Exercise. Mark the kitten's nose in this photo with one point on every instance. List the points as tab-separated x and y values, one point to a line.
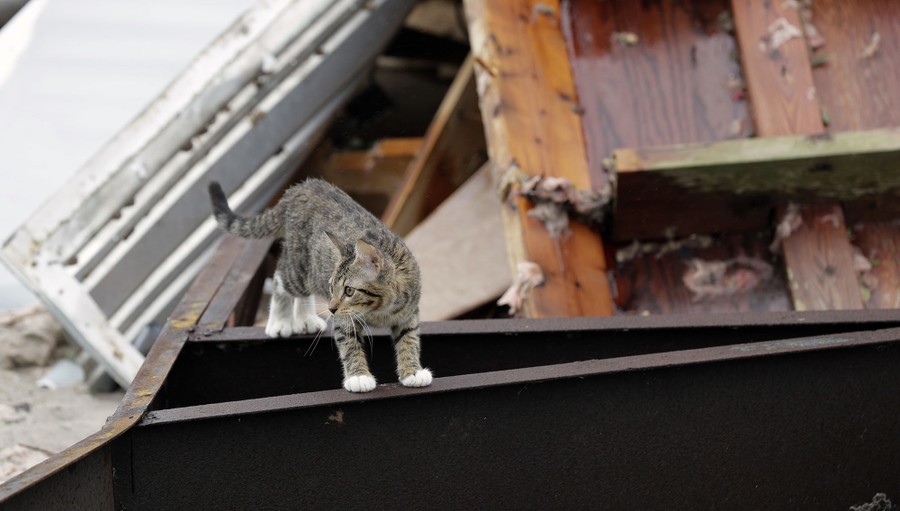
333	310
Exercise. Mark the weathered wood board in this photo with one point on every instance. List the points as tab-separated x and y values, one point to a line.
857	85
461	251
819	262
879	243
776	68
532	119
732	186
654	73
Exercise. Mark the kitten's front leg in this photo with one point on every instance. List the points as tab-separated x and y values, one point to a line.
407	347
357	377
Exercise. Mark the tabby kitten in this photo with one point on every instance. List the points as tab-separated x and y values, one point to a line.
333	247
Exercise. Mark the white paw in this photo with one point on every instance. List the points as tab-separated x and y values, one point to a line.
422	378
362	383
309	325
278	327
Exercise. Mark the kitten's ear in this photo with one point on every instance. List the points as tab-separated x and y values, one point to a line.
369	257
337	244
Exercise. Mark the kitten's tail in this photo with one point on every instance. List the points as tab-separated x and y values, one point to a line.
268	224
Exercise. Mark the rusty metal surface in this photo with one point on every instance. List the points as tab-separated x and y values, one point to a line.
791	424
40	487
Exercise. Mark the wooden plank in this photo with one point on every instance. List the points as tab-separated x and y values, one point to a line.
777	69
532	121
453	148
676	81
461	251
783	102
732	185
819	262
654	282
880	245
857	91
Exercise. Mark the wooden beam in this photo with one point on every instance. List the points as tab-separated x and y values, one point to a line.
452	150
732	185
461	252
532	121
819	261
777	69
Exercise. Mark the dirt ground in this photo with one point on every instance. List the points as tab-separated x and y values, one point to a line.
36	422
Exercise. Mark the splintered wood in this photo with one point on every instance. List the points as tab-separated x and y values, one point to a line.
532	119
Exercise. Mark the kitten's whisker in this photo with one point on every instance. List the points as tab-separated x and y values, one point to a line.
367	334
315	342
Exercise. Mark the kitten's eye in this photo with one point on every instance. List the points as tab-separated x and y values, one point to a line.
348	291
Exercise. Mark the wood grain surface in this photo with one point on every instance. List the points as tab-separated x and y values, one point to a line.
532	121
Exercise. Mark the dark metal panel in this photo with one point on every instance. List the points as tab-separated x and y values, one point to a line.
85	485
51	481
808	427
240	363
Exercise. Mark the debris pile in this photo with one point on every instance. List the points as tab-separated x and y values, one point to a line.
724	278
790	222
528	276
555	198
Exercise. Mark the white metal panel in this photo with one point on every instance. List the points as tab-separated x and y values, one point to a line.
123	239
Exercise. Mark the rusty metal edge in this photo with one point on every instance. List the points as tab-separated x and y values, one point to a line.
234	285
151	375
529	375
880	318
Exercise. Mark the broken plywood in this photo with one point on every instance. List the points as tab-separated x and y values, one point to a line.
461	252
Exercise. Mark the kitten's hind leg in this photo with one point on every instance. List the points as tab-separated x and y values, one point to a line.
305	319
407	348
281	315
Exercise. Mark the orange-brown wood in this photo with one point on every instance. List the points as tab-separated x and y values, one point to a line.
452	150
879	243
533	121
859	91
676	81
819	262
777	68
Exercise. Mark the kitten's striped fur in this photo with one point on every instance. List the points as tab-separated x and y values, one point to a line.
333	247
